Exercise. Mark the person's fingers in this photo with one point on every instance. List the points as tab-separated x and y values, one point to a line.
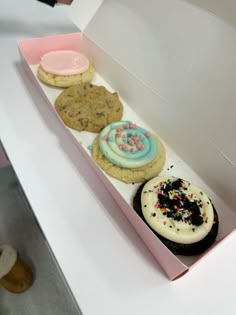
65	1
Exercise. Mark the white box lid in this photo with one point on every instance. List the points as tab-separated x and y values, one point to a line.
187	57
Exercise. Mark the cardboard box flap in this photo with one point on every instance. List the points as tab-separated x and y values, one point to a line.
186	56
82	12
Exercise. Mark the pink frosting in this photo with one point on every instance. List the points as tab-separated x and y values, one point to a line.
64	62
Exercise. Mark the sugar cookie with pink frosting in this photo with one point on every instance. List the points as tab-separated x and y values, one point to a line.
128	152
64	68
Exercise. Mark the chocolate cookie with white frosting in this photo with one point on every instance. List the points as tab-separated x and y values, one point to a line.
179	213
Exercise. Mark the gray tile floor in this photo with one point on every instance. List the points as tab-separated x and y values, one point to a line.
49	294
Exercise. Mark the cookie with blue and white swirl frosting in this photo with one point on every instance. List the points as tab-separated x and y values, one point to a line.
128	152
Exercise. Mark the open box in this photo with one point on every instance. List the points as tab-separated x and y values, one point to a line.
169	62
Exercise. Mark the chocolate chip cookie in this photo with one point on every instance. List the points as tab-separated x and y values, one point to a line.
88	107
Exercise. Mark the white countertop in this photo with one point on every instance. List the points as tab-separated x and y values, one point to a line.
107	267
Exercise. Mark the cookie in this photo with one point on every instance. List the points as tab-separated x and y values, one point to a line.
88	107
128	153
65	68
65	80
180	214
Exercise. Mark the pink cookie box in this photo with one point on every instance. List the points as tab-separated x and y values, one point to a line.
148	86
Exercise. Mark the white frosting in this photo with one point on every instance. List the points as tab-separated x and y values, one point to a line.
173	230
